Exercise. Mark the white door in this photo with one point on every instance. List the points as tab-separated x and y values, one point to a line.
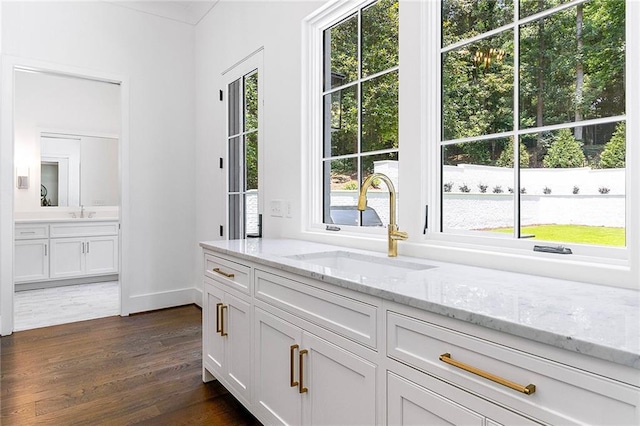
67	257
31	260
102	255
236	315
213	341
277	393
341	386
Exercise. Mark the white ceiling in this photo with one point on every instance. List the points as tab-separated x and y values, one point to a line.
190	12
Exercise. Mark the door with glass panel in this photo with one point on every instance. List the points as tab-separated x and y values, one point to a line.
244	200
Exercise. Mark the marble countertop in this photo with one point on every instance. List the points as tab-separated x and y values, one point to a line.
67	219
600	321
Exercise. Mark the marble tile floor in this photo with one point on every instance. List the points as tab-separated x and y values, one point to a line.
62	305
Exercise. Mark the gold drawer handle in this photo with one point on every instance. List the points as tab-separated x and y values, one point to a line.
222	309
226	274
301	387
218	329
291	362
527	390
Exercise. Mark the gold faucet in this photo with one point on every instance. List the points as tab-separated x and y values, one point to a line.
394	234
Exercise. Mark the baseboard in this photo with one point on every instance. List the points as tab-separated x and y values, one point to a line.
161	300
198	296
60	283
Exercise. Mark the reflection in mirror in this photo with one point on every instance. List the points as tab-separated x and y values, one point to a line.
78	170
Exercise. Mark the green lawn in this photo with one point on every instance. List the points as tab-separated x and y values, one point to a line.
598	235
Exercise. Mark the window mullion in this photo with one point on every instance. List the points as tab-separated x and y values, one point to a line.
516	121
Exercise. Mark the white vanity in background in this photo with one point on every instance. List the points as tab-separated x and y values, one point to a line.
63	249
309	334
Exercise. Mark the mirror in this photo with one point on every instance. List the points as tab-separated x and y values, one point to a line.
66	132
78	170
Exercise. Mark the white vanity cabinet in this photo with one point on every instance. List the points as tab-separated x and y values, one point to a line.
31	259
83	249
64	250
227	326
324	354
304	379
499	368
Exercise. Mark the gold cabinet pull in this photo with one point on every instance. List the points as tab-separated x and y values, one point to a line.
218	329
291	361
222	309
527	390
226	274
301	387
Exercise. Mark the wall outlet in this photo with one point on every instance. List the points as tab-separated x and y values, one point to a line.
287	208
275	208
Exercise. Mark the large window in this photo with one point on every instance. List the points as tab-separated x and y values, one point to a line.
533	120
360	112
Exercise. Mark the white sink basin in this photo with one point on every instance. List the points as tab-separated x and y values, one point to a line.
361	264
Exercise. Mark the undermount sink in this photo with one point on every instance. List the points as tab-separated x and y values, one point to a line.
361	264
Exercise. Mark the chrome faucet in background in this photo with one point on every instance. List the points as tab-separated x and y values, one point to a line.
393	233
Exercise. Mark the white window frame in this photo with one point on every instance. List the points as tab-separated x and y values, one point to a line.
246	66
312	121
420	158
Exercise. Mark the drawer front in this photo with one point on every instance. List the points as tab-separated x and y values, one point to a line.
227	272
347	317
31	232
563	395
62	230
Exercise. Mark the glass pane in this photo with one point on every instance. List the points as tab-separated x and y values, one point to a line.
380	113
341	53
531	7
570	75
251	161
235	164
251	102
251	212
576	193
234	107
477	88
378	194
341	191
379	37
236	217
341	122
462	19
478	181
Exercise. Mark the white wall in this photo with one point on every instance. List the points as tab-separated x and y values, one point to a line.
231	32
45	102
156	57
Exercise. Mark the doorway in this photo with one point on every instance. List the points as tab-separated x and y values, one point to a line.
65	254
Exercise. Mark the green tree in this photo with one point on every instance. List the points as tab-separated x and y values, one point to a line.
565	151
614	152
507	156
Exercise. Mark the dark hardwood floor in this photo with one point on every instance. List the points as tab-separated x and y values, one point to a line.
146	368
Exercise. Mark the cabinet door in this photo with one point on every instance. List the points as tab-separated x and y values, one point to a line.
237	326
67	257
276	401
102	255
31	260
341	386
410	404
213	341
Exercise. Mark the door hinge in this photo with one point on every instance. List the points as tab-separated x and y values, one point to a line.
221	231
221	95
426	219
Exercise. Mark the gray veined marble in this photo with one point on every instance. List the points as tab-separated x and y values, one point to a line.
600	321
